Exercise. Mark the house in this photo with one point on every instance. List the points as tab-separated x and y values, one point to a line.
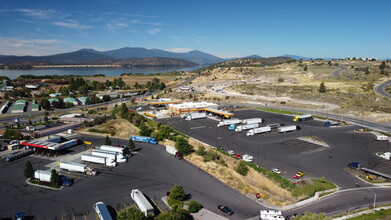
83	100
55	95
70	100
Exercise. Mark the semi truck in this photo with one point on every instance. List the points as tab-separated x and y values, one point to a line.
229	122
252	121
78	167
121	150
246	127
259	130
288	128
142	202
171	150
102	211
193	116
150	140
110	154
301	118
99	160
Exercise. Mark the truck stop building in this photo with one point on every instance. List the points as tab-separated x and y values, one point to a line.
220	113
191	107
164	102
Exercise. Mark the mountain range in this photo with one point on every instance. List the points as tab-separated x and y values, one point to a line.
86	55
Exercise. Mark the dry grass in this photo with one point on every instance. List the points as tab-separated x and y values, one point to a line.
141	79
254	182
121	127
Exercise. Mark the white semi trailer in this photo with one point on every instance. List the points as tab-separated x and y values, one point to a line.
142	202
252	121
259	130
120	150
43	175
193	116
119	158
99	160
288	128
246	127
78	167
229	122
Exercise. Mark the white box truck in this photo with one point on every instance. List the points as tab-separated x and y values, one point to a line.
142	202
193	116
259	130
43	175
252	121
78	167
229	122
110	154
99	160
287	128
246	127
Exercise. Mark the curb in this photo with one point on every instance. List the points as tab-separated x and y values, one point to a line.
360	213
47	187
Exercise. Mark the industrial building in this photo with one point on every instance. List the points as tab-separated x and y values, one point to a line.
53	100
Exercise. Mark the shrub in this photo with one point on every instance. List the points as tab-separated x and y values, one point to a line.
242	168
174	203
194	206
131	213
183	146
201	151
280	80
177	193
211	156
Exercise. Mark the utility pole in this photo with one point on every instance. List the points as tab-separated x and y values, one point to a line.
374	199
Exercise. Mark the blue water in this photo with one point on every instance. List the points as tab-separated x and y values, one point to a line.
12	74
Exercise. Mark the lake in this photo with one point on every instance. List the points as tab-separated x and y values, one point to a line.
13	74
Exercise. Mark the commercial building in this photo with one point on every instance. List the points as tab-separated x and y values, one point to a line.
53	100
70	100
191	106
83	100
18	108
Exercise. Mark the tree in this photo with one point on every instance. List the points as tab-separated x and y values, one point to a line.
305	68
312	216
30	122
145	131
131	145
183	146
177	193
131	213
28	170
46	119
177	214
12	134
107	141
194	206
55	178
242	168
322	87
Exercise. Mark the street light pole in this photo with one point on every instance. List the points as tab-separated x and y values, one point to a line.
374	199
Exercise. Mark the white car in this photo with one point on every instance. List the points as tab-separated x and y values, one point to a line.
139	108
231	152
248	158
275	170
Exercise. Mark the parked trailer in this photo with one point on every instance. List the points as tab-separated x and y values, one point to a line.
171	150
229	122
252	121
195	116
78	167
120	150
142	202
98	159
101	210
110	154
382	138
246	127
17	155
288	128
270	215
43	175
143	139
259	130
301	118
70	143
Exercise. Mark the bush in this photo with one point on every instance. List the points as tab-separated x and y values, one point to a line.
183	146
211	156
280	80
242	168
131	213
201	151
194	206
177	193
174	203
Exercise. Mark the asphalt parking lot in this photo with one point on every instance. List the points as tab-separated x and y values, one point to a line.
285	152
151	170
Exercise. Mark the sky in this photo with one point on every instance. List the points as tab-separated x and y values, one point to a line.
224	28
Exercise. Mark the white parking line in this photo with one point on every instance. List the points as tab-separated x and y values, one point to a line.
197	127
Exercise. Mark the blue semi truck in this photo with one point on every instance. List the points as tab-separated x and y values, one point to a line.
143	139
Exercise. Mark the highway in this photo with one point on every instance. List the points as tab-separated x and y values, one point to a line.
380	89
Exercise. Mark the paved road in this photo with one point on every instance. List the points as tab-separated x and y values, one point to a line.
380	89
152	171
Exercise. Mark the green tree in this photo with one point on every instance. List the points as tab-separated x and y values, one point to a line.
241	168
322	87
194	206
177	193
177	214
183	146
131	213
107	140
46	119
12	134
305	68
55	178
145	131
132	146
28	170
312	216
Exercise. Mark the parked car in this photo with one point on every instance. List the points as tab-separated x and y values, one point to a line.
298	175
238	156
19	216
231	152
225	210
275	170
248	158
220	148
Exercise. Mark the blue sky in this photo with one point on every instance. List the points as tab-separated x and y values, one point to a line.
225	28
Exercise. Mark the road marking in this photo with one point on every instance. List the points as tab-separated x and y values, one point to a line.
198	127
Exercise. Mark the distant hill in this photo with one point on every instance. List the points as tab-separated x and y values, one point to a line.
296	57
270	61
87	55
146	62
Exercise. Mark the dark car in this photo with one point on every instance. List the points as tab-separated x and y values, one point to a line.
225	210
19	216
